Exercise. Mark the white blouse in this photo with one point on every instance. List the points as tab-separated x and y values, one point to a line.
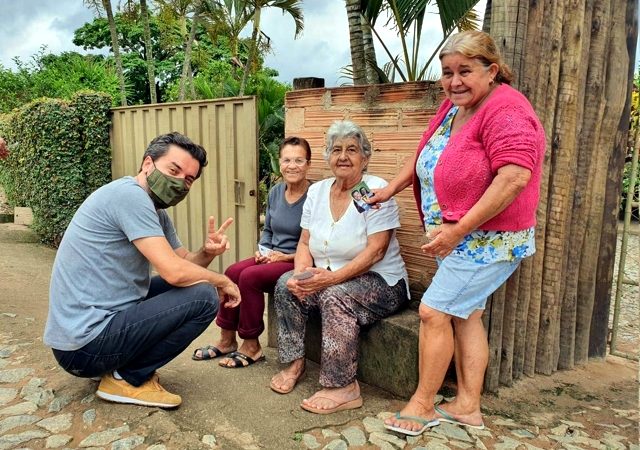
335	244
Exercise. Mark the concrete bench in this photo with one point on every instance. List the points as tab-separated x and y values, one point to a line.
388	356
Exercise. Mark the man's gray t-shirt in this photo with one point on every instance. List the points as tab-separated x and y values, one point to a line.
98	271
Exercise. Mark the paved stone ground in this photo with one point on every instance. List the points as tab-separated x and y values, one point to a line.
40	407
595	406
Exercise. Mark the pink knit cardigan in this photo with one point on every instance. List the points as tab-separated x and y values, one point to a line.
504	130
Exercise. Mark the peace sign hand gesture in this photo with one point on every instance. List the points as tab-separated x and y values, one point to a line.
217	242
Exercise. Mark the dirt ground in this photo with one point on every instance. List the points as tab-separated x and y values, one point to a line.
599	399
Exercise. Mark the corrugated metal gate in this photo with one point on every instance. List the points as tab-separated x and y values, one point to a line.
228	187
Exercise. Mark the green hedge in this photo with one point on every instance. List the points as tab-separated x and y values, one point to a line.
58	154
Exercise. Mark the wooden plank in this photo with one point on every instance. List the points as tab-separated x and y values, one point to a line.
509	329
524	297
492	376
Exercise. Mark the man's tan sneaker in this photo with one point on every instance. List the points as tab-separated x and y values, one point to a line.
150	393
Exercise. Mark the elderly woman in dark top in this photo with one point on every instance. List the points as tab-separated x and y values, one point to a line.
347	266
258	274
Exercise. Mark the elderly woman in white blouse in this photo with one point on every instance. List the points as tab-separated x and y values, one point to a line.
347	266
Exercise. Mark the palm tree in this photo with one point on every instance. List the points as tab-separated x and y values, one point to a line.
101	6
228	17
186	65
178	11
144	11
356	40
407	17
292	7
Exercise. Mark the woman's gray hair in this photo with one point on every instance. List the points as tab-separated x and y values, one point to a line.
341	129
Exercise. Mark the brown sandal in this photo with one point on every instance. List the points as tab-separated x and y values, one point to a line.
287	379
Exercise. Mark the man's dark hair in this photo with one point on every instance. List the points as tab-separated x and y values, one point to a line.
295	140
159	146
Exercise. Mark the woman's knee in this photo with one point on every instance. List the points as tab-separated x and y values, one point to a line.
433	317
281	290
474	319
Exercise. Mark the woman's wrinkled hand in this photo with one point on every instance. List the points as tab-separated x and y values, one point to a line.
321	279
442	240
276	256
379	196
292	285
259	259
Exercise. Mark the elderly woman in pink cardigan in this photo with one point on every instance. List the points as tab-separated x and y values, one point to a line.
476	180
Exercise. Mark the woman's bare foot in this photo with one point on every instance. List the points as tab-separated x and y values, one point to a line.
417	408
462	414
329	400
226	344
285	380
249	347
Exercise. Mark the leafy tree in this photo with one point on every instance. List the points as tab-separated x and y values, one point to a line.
167	53
228	18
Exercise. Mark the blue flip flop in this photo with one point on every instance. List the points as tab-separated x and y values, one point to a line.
426	423
446	417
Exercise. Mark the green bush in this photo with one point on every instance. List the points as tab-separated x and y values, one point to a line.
58	154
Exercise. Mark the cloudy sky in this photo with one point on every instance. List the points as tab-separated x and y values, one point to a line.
321	51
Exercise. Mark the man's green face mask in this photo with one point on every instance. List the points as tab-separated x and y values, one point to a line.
165	190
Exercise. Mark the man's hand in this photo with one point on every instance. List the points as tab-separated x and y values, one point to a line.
217	242
229	294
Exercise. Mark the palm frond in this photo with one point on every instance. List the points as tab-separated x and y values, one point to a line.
452	11
294	9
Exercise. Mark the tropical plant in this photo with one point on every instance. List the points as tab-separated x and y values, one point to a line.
407	18
291	7
228	18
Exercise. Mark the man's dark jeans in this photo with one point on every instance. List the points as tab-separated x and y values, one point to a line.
146	336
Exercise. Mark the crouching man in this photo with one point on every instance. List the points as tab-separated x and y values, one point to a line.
107	316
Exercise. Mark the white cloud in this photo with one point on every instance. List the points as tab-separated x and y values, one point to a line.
321	51
30	24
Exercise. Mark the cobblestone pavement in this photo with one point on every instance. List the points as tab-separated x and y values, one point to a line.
37	413
591	407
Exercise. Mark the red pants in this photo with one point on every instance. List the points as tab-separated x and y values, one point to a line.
253	280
